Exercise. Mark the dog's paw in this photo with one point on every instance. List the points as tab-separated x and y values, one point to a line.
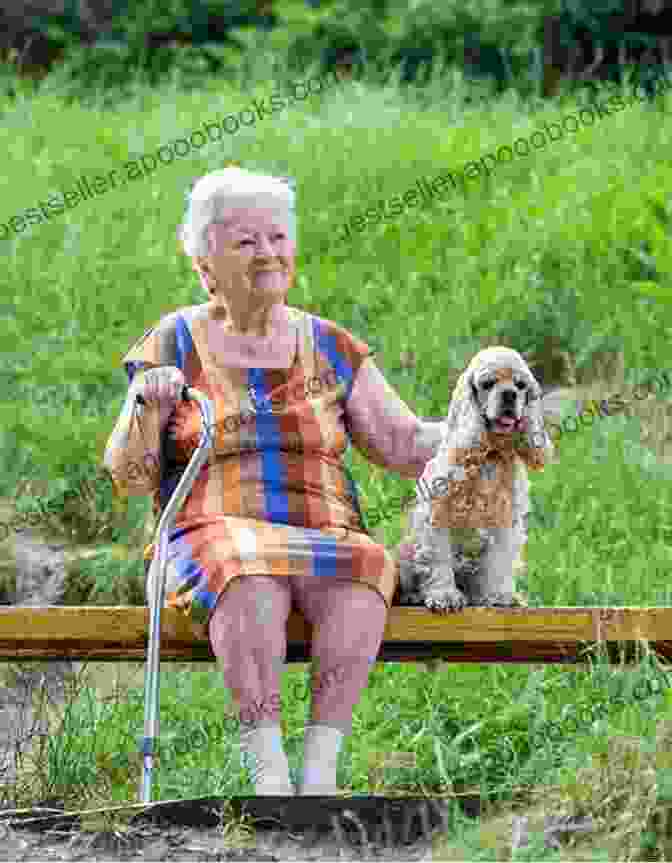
445	601
499	600
407	596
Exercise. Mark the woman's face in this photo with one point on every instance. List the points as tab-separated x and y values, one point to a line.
251	251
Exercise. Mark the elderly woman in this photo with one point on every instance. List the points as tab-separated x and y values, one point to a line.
274	518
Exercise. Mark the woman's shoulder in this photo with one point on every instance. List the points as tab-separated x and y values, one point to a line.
325	325
335	342
185	314
162	333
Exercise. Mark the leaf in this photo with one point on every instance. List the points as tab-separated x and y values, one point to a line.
661	247
658	210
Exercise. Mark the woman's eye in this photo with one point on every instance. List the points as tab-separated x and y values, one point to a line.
250	240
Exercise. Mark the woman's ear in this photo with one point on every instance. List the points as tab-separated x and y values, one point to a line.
200	264
200	267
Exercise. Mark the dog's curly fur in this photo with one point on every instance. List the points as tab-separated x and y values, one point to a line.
469	523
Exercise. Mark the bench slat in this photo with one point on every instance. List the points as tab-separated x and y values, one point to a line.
534	635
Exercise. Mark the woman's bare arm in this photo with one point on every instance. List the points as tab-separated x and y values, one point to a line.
133	452
385	429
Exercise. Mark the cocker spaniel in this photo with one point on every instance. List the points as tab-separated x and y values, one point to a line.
469	522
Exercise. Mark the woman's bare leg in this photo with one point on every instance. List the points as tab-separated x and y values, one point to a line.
348	622
248	634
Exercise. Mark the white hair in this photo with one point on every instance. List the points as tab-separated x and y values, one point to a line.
216	193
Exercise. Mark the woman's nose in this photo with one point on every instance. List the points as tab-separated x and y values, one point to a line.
264	247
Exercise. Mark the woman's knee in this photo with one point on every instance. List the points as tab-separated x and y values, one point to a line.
250	649
355	606
249	606
321	601
350	633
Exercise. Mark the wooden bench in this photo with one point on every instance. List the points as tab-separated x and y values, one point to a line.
532	635
529	635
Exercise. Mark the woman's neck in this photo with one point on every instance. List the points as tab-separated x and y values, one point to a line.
233	349
261	323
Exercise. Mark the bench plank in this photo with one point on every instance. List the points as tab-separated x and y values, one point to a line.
527	635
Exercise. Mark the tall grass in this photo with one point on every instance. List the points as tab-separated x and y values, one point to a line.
550	244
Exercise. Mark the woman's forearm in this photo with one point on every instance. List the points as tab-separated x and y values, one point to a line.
384	428
133	452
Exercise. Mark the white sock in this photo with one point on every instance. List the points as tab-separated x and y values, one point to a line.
322	744
263	755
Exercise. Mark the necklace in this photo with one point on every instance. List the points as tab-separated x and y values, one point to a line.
260	406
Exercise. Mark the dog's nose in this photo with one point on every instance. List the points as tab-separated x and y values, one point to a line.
509	397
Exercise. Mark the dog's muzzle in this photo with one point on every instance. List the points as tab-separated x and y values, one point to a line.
506	422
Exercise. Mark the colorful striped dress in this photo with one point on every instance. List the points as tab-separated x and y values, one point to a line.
275	497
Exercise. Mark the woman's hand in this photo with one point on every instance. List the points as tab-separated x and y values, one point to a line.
162	386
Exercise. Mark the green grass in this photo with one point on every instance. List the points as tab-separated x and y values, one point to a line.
549	245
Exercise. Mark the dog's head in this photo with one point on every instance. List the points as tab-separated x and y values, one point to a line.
499	397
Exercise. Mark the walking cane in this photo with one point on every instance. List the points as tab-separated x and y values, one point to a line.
157	587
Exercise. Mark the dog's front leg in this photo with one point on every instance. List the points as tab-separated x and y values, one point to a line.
439	591
494	583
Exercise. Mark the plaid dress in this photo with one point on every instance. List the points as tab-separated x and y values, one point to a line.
275	497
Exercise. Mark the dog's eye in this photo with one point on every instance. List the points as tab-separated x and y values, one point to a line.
487	385
521	385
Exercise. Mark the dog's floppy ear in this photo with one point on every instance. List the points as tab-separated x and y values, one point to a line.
534	389
536	445
463	424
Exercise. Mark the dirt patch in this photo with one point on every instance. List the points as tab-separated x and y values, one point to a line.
292	829
190	843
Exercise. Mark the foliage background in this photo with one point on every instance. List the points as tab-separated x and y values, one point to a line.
571	243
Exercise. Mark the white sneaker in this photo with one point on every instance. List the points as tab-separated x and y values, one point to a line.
265	759
322	745
271	786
